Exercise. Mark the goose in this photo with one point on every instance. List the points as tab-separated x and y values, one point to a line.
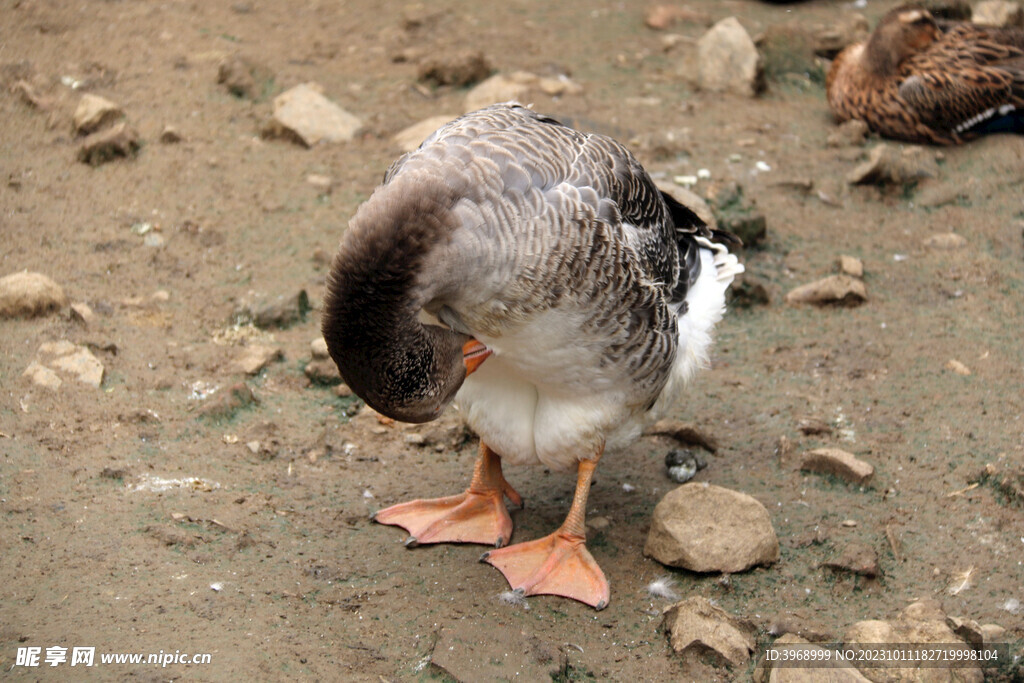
920	80
535	276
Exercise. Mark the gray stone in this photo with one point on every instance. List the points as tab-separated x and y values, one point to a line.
832	670
696	628
43	376
839	463
323	371
94	112
856	558
946	241
706	528
691	200
245	78
500	88
850	133
75	360
998	13
465	68
254	358
306	116
922	623
410	138
728	60
889	165
27	294
119	141
318	349
851	265
839	290
83	313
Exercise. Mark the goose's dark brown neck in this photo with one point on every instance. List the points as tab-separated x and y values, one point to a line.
399	366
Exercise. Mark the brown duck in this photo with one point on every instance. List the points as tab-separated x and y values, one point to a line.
921	80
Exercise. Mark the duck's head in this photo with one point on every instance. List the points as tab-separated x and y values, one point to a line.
902	32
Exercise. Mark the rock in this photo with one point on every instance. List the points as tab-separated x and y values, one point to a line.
683	433
463	69
728	60
225	404
838	463
342	391
322	183
956	366
558	86
747	292
691	200
42	376
280	313
850	133
856	558
851	265
813	426
887	164
323	371
500	88
109	144
255	358
993	633
73	359
27	294
682	465
303	114
706	528
998	13
244	78
968	630
944	241
170	135
832	669
696	628
410	138
831	39
318	349
922	624
94	112
839	290
661	17
83	313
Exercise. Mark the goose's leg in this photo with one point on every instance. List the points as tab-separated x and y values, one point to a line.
477	516
558	564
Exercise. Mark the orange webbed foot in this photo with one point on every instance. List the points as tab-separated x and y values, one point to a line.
470	517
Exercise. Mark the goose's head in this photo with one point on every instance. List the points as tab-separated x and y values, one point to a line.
413	378
401	367
901	33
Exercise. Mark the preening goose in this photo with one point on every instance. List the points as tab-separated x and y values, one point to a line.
536	276
920	80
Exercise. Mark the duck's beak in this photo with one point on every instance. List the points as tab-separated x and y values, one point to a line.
473	354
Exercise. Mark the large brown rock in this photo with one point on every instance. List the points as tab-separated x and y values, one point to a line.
697	628
706	528
26	294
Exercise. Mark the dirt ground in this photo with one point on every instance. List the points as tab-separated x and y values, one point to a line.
265	557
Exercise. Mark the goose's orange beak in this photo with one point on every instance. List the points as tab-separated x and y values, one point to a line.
473	354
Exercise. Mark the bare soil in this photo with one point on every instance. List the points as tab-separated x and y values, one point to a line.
266	558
